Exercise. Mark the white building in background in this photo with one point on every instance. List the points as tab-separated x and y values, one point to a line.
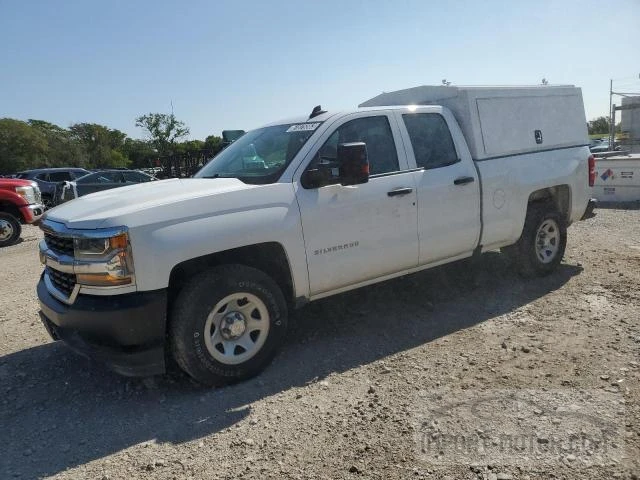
630	120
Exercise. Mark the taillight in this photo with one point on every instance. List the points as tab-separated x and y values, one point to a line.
592	170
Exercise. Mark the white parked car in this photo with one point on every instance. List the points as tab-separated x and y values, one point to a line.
208	268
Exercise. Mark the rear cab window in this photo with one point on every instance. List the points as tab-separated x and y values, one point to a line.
431	140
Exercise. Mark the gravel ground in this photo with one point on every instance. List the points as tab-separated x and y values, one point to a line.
378	383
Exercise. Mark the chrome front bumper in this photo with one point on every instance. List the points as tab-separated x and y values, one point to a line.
69	265
32	213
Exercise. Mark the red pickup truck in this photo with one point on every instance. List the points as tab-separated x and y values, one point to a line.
20	202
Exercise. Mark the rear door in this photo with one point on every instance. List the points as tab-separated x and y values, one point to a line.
361	232
54	188
46	187
448	188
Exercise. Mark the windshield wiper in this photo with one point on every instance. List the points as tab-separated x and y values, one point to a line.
219	175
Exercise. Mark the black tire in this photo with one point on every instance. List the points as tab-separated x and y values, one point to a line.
47	201
10	229
530	258
189	317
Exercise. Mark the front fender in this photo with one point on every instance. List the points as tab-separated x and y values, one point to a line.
13	198
237	221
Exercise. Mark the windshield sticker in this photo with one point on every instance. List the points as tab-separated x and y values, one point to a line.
303	127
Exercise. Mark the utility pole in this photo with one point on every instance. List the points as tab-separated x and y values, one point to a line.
613	108
611	125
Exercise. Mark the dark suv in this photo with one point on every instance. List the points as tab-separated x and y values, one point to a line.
47	178
97	182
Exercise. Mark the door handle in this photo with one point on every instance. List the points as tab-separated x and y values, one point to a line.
463	180
400	191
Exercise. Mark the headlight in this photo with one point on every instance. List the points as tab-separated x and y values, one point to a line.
108	261
37	192
94	248
90	248
28	193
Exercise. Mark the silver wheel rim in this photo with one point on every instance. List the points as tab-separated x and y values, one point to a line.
6	230
547	241
236	328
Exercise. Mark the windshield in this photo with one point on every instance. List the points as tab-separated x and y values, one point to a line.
260	156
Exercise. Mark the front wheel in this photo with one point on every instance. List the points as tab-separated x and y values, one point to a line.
227	324
541	246
47	201
10	229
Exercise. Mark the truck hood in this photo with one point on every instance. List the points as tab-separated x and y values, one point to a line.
143	203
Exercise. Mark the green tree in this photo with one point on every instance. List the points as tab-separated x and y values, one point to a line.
21	146
191	147
103	146
599	125
213	144
118	160
163	131
141	153
64	150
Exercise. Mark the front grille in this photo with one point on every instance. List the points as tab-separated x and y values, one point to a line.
64	282
38	196
60	245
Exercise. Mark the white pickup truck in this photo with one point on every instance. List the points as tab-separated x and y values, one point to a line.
205	269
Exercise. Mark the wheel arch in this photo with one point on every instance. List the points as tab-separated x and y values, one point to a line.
10	208
269	257
558	196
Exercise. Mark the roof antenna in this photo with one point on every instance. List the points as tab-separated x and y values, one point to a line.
317	110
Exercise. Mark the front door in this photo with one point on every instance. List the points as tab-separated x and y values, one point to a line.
358	233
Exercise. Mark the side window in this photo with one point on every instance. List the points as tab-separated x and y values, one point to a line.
135	177
92	178
130	177
59	176
375	132
41	176
104	177
116	177
431	140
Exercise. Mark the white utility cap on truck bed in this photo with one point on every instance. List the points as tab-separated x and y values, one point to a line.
503	121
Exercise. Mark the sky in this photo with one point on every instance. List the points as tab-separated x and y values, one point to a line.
240	64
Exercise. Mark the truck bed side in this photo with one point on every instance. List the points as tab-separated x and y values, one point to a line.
510	183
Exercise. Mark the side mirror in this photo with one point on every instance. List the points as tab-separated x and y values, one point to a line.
354	165
313	178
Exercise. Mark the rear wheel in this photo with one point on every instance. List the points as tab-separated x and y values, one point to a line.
10	229
227	324
541	246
